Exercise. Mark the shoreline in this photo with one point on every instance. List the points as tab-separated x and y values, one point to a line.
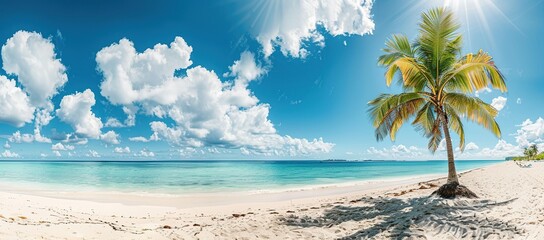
511	206
208	199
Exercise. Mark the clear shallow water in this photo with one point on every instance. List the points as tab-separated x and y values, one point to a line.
211	176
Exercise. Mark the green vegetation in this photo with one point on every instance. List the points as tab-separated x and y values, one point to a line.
530	153
438	83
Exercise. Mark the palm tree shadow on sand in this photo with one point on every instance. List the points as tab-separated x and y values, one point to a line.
414	218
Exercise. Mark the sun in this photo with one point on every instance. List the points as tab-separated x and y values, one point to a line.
477	17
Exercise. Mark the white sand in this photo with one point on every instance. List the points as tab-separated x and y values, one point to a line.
511	206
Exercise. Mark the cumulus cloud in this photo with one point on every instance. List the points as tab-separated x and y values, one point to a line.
498	102
472	151
57	154
92	153
121	150
60	147
246	69
484	90
501	150
38	136
471	147
144	153
7	146
205	110
17	137
33	59
400	152
15	108
131	76
530	132
75	110
110	137
10	154
74	138
518	101
41	74
293	25
114	123
138	139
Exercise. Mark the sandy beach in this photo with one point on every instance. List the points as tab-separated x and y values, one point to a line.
511	206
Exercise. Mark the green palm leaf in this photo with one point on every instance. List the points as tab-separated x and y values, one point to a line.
436	82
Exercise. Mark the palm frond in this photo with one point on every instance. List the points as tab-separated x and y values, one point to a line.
436	136
472	73
425	119
389	112
414	75
455	124
396	47
437	41
473	109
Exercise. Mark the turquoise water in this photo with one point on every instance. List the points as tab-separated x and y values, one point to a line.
211	176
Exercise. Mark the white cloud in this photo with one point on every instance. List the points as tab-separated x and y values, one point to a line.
15	108
484	90
144	153
205	110
75	110
187	151
121	150
244	151
471	147
114	123
93	153
43	116
530	132
33	59
292	25
60	147
110	137
43	155
246	69
518	101
498	102
74	138
38	136
160	130
501	150
10	154
138	139
130	111
131	76
6	145
17	137
400	152
57	153
472	151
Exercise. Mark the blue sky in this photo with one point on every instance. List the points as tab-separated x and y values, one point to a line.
238	79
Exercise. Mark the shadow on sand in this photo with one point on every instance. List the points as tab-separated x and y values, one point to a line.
414	218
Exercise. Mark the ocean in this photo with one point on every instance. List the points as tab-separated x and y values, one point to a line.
180	177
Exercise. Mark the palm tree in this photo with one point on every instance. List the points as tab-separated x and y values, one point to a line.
438	85
534	151
531	152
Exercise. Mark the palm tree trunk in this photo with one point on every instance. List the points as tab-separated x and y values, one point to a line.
452	173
